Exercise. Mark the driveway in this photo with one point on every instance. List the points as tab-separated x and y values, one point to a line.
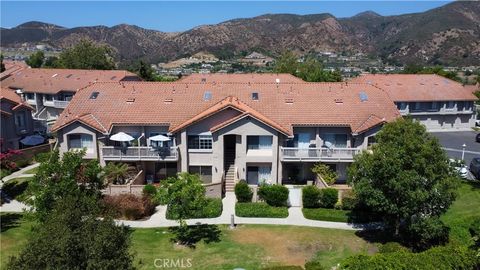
452	143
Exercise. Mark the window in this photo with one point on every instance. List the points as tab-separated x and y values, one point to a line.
80	141
335	140
371	140
205	173
164	170
259	142
254	96
48	97
259	174
30	96
450	105
402	106
415	106
200	141
68	97
20	119
94	95
207	95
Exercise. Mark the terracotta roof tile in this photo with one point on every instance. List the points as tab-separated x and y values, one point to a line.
52	81
14	98
417	87
240	78
282	105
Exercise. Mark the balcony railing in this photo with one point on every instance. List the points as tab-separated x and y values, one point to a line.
318	154
62	104
135	153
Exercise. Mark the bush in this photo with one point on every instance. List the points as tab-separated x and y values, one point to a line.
349	200
391	247
161	197
22	163
260	209
42	157
129	206
328	197
311	197
324	172
437	258
274	195
4	172
149	190
243	191
212	209
326	214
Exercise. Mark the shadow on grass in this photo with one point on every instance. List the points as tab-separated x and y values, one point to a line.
9	221
191	235
14	188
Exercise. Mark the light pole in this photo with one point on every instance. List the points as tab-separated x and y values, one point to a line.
463	151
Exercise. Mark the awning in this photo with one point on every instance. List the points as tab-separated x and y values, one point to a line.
32	140
121	137
159	138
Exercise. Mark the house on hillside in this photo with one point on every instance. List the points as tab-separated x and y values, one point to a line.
49	91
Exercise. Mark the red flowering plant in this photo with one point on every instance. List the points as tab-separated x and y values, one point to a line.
6	159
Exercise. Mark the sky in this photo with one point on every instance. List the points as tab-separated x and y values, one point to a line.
183	15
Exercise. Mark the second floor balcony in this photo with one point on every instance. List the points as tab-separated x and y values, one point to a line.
318	154
61	104
137	153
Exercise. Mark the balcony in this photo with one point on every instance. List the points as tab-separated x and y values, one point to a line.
318	154
139	153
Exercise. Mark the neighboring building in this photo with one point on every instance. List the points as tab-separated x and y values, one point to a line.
227	127
257	59
12	67
16	119
437	102
50	90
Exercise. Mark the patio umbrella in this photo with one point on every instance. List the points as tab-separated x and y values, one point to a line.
32	140
121	137
159	138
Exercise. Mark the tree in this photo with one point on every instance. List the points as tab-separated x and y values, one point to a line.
2	65
145	71
186	196
73	237
87	55
36	59
406	179
61	177
51	62
325	173
286	63
311	70
116	173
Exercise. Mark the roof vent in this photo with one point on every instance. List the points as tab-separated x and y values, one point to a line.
363	96
113	78
289	100
69	75
130	100
339	101
168	100
207	96
94	95
277	80
254	96
54	75
204	79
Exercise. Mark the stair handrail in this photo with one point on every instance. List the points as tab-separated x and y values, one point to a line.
235	176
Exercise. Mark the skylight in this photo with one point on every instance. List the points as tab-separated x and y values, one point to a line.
94	95
254	96
363	96
207	96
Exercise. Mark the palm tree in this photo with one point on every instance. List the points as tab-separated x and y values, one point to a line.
116	172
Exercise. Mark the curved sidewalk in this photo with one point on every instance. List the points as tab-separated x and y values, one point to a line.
295	218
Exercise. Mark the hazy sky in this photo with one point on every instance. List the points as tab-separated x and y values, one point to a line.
183	15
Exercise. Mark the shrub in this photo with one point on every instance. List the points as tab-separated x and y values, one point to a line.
4	172
243	191
42	157
21	163
211	209
349	200
328	197
326	214
311	197
260	209
161	197
324	172
391	247
274	195
149	190
129	206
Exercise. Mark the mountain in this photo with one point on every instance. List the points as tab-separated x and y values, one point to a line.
448	35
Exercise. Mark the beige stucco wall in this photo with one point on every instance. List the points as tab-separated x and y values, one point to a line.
78	128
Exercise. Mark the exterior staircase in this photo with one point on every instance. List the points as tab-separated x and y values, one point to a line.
230	171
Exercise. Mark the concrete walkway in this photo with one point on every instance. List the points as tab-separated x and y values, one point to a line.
294	218
19	173
14	205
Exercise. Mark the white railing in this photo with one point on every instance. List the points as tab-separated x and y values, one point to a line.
60	103
318	154
140	153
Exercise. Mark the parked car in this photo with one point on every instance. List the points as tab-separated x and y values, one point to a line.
460	167
475	167
477	138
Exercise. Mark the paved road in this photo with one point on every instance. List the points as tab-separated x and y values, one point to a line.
453	141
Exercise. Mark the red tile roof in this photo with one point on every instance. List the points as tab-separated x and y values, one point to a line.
417	87
52	81
14	98
240	78
281	105
11	67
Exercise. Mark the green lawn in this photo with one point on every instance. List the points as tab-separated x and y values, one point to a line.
31	171
14	188
247	246
260	209
461	214
326	214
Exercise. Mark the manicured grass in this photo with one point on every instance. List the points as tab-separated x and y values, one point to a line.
212	210
13	235
32	171
260	209
326	214
462	212
252	247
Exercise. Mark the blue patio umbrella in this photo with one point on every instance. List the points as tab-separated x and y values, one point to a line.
32	140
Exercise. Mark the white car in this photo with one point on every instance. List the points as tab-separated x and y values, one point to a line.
460	168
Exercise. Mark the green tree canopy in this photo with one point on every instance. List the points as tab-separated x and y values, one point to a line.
419	69
87	55
311	70
186	196
286	63
2	65
407	180
36	59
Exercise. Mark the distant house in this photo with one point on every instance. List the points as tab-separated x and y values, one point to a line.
49	91
437	102
257	59
16	119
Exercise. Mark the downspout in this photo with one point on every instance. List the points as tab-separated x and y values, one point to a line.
138	140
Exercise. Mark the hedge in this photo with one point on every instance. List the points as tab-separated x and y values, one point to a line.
274	195
328	197
437	258
311	197
212	209
129	206
243	192
326	214
260	209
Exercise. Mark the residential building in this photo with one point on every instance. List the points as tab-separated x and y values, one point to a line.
16	121
258	127
437	102
49	91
